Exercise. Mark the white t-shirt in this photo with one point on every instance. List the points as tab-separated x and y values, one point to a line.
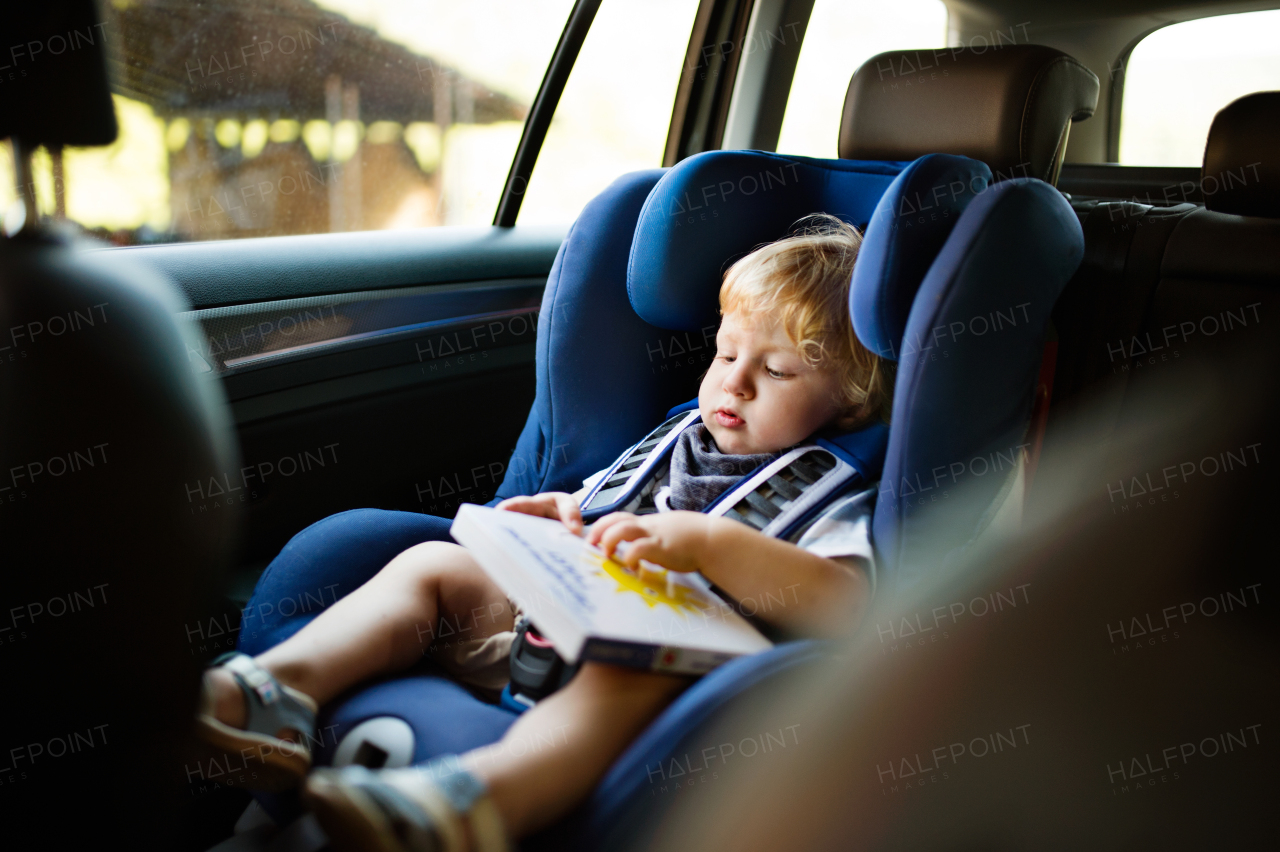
842	531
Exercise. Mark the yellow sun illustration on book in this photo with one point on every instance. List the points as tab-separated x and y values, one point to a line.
675	595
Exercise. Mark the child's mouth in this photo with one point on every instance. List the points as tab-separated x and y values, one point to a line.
728	419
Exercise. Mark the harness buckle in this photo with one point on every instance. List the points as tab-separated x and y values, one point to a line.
536	669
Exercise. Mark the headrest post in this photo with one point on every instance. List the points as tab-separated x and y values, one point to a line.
1059	155
23	216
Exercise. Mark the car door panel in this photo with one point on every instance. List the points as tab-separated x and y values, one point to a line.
387	376
237	272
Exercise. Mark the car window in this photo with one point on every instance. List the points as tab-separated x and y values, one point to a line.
1177	78
843	34
258	119
616	108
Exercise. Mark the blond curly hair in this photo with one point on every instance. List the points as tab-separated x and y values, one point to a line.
802	281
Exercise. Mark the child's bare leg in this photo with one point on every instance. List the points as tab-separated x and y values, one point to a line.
381	627
553	756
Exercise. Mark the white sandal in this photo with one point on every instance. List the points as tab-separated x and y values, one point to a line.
278	764
419	809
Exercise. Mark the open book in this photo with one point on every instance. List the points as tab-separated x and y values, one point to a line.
593	608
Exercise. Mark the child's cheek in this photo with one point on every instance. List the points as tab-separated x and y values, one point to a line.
706	392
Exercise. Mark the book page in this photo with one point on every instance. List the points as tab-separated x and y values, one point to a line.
575	594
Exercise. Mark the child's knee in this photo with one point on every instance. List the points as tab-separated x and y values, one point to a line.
429	561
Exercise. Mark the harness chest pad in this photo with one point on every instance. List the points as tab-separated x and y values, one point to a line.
778	498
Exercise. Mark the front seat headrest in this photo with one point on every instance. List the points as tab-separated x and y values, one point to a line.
1241	171
1009	106
59	47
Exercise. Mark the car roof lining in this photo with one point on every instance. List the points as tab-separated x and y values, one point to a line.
1043	13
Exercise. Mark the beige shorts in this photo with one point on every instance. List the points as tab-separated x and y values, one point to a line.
484	664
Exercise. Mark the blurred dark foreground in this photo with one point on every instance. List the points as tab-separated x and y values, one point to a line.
1103	677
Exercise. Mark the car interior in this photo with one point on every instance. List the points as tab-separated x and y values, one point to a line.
209	380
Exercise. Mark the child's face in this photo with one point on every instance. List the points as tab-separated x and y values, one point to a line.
759	395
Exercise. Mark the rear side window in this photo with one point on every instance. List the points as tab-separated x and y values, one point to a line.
1177	78
843	34
616	107
244	119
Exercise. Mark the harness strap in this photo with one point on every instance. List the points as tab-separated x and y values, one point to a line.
632	468
767	499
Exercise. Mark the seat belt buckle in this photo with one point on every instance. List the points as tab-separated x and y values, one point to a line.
536	669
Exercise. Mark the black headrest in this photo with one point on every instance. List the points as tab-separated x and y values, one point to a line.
1241	171
1009	106
55	92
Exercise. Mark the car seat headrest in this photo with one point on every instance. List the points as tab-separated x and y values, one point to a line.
1010	106
906	232
1241	171
62	96
685	239
713	208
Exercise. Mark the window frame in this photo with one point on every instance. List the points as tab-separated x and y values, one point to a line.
701	109
1115	95
543	110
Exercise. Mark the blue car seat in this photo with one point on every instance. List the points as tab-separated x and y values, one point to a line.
963	400
606	376
628	325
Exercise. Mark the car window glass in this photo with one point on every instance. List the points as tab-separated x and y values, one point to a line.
843	34
1177	78
248	119
616	108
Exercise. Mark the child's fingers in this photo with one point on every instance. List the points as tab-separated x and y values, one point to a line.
621	530
538	505
599	527
569	512
647	548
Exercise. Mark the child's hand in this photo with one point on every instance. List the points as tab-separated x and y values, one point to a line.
674	540
556	505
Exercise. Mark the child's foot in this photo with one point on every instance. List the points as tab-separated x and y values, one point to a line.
254	724
440	807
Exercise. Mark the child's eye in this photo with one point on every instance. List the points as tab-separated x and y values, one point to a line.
775	374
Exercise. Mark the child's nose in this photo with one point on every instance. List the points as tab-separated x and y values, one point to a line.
738	381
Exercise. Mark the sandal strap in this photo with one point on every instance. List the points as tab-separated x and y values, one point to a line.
427	807
411	824
271	706
469	798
